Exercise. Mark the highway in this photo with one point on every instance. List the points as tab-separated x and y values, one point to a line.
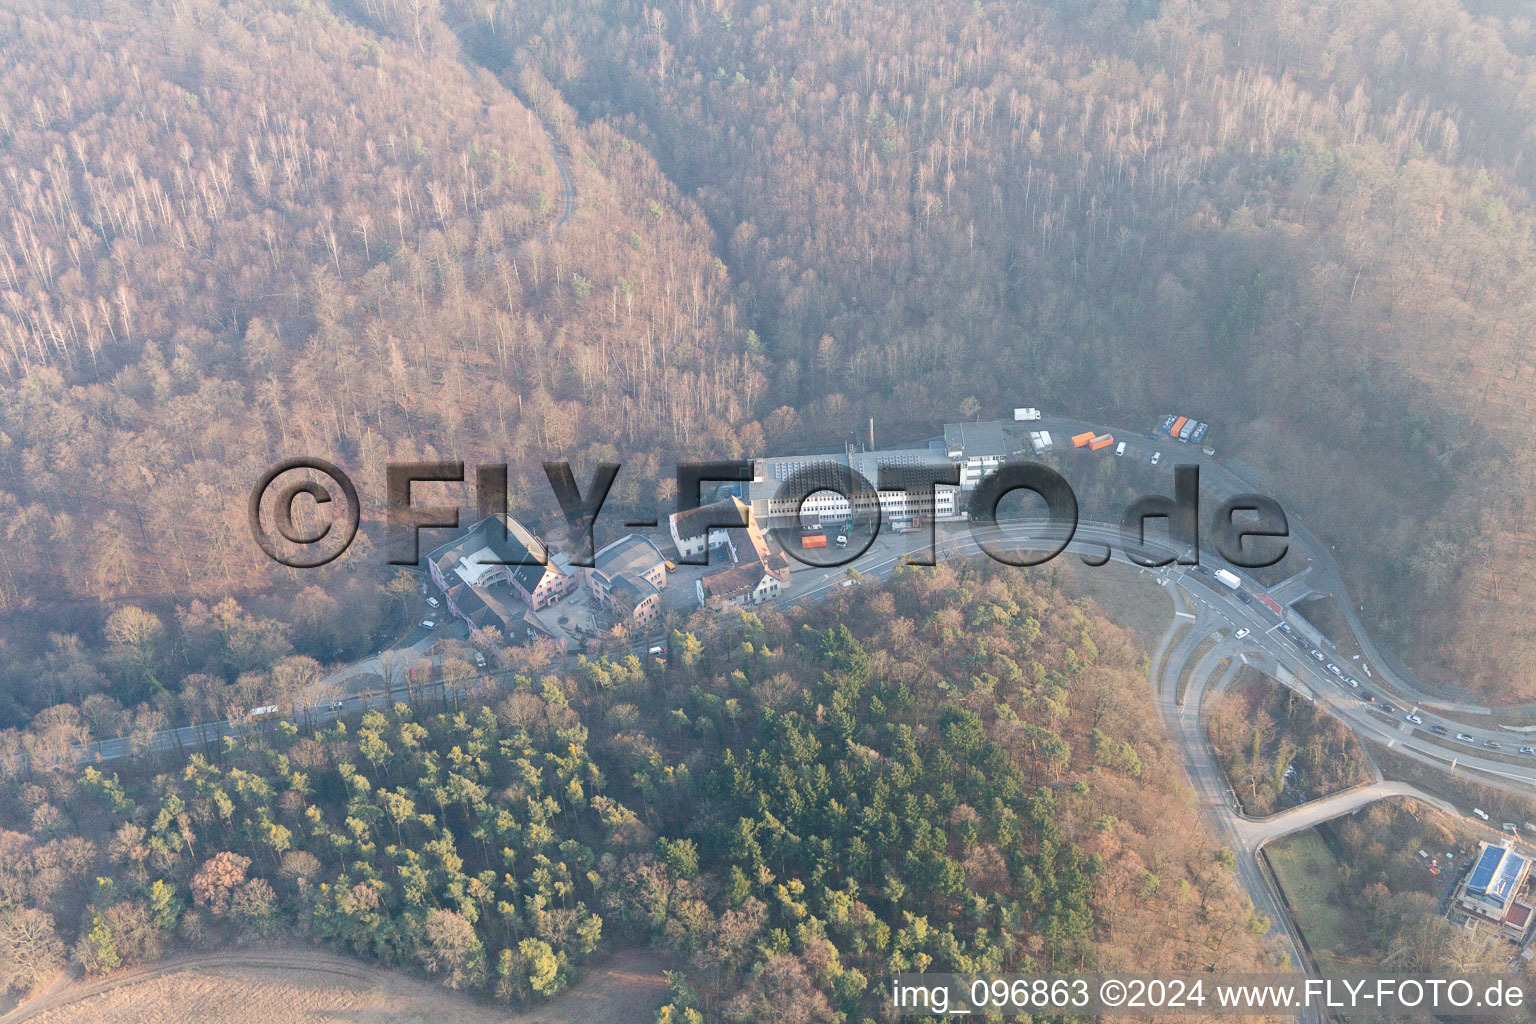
1225	608
1270	641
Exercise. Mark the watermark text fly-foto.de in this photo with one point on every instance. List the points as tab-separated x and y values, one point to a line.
1248	530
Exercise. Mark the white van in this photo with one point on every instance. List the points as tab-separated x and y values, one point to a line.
1120	448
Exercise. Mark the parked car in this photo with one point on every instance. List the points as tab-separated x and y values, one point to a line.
1285	627
1354	684
1438	730
1415	719
1317	655
479	660
1528	750
1388	708
1368	696
1492	745
428	623
1156	457
1465	738
1241	633
433	602
1335	670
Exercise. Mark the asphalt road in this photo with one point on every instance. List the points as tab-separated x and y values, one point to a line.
1265	638
1213	609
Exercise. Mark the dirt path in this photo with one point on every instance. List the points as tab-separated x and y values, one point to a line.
288	986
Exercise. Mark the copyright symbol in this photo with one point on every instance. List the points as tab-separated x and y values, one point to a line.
1112	992
312	552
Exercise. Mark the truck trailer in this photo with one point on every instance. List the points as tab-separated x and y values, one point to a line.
1102	441
1184	428
1079	440
818	540
1228	578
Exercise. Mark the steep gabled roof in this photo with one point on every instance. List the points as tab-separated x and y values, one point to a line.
732	582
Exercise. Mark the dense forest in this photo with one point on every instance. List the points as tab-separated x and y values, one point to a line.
609	231
238	232
1308	223
230	233
951	773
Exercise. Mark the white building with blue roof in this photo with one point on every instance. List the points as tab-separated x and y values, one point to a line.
1492	889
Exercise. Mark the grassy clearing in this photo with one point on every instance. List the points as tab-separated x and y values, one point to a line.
1310	879
300	987
1194	660
1179	632
1325	614
1128	596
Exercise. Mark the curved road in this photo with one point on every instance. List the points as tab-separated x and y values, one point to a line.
1210	608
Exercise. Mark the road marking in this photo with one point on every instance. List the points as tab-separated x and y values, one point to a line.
1183	615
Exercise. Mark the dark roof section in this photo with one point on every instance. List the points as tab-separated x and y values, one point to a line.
513	546
632	554
732	582
695	521
752	548
638	586
984	440
483	607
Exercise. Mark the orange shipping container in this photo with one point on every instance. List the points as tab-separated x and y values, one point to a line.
817	541
1102	441
1178	425
1078	440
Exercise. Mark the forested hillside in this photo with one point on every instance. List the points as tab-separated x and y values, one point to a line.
234	233
231	233
237	232
951	773
1307	223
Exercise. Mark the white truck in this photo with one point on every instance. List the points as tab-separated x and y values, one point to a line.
1024	415
1228	578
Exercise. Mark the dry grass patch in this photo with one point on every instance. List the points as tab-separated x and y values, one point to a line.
302	987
